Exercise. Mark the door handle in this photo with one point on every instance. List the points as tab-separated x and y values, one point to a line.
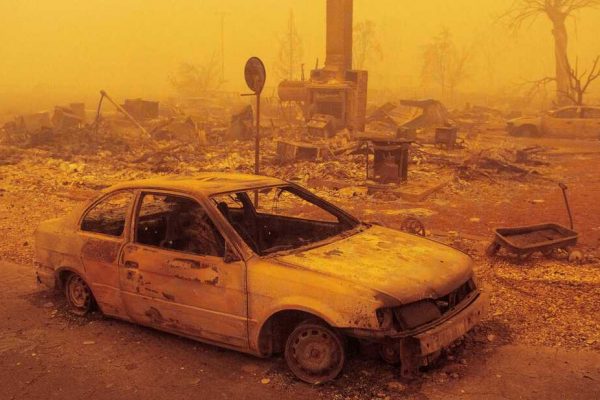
131	264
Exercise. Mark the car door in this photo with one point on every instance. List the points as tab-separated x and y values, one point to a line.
563	123
174	274
591	122
104	231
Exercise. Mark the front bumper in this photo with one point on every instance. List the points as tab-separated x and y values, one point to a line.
434	336
458	325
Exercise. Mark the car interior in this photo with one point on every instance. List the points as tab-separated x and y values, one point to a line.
269	232
108	216
177	223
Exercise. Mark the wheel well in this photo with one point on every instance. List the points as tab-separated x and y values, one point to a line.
278	327
62	276
61	280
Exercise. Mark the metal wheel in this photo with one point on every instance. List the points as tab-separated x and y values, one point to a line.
314	352
492	249
548	252
413	225
78	295
390	353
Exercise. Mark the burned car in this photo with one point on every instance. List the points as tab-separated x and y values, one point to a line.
259	265
567	122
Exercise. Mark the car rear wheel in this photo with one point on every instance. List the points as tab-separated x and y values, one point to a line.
314	352
78	294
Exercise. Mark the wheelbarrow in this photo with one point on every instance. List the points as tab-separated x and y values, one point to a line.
523	241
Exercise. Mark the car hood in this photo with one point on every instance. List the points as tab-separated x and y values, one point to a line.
397	264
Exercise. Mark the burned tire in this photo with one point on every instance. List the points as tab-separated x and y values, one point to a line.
390	353
78	294
315	352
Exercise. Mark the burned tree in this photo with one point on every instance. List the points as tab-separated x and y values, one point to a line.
366	46
579	83
444	63
290	53
557	11
193	79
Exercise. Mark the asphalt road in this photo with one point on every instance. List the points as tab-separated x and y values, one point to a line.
46	353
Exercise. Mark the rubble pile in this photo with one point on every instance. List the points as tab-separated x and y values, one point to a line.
488	163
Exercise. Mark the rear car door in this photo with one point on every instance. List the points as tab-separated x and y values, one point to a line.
174	274
104	230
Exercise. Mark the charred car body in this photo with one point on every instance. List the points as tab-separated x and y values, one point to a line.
567	122
262	266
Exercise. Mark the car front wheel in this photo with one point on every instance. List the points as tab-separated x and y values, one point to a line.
314	352
78	294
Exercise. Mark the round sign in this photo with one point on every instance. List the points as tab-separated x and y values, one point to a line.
255	74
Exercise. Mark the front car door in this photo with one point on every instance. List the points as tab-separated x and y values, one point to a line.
104	230
174	274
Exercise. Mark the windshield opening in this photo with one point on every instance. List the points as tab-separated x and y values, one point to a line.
285	218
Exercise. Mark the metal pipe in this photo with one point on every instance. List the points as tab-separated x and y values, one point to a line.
121	109
564	190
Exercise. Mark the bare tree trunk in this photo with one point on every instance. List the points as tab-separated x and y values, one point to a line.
559	32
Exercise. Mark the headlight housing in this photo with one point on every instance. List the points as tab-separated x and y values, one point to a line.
414	315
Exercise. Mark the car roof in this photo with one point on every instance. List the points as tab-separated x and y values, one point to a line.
205	183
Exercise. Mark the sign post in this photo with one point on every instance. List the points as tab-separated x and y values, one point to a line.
255	75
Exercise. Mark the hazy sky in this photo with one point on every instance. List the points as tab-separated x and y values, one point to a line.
64	50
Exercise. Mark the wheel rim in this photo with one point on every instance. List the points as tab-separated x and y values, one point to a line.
315	354
389	353
492	249
78	293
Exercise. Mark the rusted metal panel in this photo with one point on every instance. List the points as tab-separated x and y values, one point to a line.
200	296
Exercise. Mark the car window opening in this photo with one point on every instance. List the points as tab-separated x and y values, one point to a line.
179	224
285	218
107	217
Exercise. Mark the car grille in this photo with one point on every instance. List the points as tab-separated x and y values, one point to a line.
419	313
